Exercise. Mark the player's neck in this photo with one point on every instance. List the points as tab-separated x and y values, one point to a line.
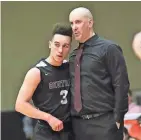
52	62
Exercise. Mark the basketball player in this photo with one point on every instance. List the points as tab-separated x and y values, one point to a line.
47	84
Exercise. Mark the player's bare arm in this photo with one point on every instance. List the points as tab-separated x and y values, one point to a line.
31	81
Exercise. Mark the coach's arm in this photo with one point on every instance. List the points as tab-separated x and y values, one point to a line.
118	71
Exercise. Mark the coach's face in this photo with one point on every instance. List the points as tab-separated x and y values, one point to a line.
81	26
60	47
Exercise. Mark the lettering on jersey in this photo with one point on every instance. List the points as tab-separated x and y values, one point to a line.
59	84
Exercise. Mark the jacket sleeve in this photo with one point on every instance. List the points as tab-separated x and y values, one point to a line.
118	71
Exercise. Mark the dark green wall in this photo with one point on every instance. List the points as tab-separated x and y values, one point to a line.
26	29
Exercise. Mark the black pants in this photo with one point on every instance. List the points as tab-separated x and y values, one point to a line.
44	132
100	128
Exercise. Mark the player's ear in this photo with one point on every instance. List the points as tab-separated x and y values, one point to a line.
49	44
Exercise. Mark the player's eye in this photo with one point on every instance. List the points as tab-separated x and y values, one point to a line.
66	46
57	45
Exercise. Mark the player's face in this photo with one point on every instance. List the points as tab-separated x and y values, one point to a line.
81	26
60	47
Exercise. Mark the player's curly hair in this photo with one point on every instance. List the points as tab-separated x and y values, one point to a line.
62	29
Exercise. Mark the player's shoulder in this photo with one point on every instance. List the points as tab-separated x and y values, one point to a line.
35	67
65	63
35	70
33	73
41	63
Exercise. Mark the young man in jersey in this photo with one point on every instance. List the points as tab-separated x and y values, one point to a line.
47	84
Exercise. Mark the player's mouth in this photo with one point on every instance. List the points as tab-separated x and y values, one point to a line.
60	56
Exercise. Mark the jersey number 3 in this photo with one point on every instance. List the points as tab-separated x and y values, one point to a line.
64	94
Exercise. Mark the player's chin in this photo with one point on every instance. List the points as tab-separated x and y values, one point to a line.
60	59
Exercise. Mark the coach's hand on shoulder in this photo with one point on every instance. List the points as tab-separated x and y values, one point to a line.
56	124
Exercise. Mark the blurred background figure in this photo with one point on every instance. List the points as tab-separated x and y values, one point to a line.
28	127
132	126
136	45
133	107
132	119
125	134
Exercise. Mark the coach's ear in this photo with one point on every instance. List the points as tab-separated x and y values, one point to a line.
49	44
